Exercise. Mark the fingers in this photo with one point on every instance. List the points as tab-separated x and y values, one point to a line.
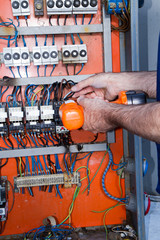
83	91
83	84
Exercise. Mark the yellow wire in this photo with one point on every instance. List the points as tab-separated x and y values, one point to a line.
36	94
76	192
109	209
20	167
89	172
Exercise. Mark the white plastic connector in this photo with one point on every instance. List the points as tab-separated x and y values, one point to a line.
47	112
85	6
20	7
59	7
53	51
17	56
25	58
7	57
15	114
32	113
37	58
3	115
74	53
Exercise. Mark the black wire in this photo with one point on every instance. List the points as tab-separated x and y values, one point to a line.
58	17
95	138
13	196
67	69
50	17
3	163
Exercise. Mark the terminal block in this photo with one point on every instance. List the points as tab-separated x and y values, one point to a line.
3	199
18	56
74	53
47	117
45	180
59	7
32	115
3	118
45	55
16	116
85	6
117	6
20	7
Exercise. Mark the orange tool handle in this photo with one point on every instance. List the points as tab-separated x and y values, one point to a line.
72	115
122	98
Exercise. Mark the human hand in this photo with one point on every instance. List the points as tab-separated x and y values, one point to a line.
105	86
97	114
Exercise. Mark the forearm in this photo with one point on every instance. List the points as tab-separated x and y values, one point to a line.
145	81
142	120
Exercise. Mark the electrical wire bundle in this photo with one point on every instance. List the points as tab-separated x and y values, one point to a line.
58	232
123	18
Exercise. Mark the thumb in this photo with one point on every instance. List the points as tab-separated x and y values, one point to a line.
81	100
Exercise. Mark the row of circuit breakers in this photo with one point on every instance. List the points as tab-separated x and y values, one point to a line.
44	55
36	118
58	7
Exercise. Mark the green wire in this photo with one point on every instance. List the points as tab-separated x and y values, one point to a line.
96	171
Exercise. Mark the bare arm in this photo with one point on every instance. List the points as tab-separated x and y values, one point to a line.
108	85
143	120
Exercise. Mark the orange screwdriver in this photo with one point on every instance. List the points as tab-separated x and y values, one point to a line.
72	115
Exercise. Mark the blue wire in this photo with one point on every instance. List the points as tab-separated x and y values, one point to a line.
10	68
18	68
18	21
83	19
52	70
90	19
64	159
87	172
80	69
73	41
36	42
80	39
2	93
53	42
26	71
38	71
123	200
4	24
45	69
24	42
45	42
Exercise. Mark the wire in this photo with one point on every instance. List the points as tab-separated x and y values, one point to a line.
18	68
13	196
90	19
3	163
96	171
80	69
123	200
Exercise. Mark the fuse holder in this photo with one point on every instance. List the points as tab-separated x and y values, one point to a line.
72	115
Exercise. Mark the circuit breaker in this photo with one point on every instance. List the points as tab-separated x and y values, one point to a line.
20	7
16	56
45	55
74	53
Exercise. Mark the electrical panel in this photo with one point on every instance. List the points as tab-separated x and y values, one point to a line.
61	7
41	63
20	7
45	55
17	56
74	53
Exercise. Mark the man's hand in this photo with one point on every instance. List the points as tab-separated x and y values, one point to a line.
107	86
96	115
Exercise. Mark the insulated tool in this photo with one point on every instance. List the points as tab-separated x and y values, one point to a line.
72	114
